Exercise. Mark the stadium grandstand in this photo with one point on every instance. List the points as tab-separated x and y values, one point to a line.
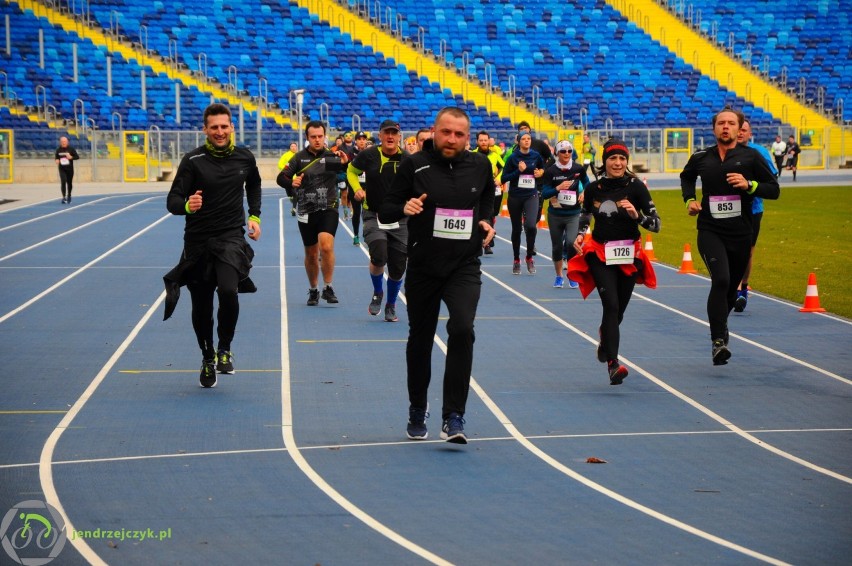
127	80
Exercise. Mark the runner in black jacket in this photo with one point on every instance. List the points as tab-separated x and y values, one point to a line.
447	193
731	176
311	176
216	259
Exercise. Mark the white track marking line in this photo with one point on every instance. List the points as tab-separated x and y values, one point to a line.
45	469
407	443
64	280
71	231
750	342
290	439
42	217
682	396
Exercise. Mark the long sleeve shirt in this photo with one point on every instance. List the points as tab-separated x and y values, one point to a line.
724	209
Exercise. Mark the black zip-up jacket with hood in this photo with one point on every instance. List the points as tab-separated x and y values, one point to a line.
462	183
318	190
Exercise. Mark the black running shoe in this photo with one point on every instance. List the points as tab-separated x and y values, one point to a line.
742	301
328	295
207	377
376	304
617	372
488	250
225	362
416	429
453	429
721	353
313	297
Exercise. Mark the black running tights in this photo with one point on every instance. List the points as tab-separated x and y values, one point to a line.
726	258
227	279
523	214
615	290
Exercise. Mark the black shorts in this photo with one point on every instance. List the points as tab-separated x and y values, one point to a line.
320	221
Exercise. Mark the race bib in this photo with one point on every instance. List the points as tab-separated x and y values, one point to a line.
526	182
498	190
620	252
341	185
64	161
391	226
567	198
726	206
453	224
362	178
303	218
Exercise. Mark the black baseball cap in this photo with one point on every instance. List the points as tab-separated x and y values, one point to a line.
360	135
389	125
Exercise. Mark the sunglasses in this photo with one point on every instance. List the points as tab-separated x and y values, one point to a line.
566	151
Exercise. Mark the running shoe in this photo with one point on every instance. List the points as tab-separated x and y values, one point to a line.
516	267
207	377
64	201
558	283
356	241
376	304
416	429
69	198
721	353
225	362
345	213
573	284
530	266
742	300
313	297
328	295
616	371
390	313
488	250
292	212
453	429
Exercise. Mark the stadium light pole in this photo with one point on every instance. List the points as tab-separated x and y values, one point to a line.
300	100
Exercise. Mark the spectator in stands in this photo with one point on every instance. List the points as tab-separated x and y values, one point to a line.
208	191
589	151
793	151
65	156
779	150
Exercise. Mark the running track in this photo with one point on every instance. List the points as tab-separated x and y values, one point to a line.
301	458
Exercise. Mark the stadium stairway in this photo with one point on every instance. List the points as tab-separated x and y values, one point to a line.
98	36
426	66
708	58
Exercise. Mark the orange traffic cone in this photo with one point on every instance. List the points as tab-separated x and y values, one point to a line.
504	211
542	222
587	237
811	297
686	265
649	248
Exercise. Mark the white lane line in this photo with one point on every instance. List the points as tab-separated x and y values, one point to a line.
750	342
682	396
408	443
71	231
64	280
290	439
44	216
45	468
764	296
